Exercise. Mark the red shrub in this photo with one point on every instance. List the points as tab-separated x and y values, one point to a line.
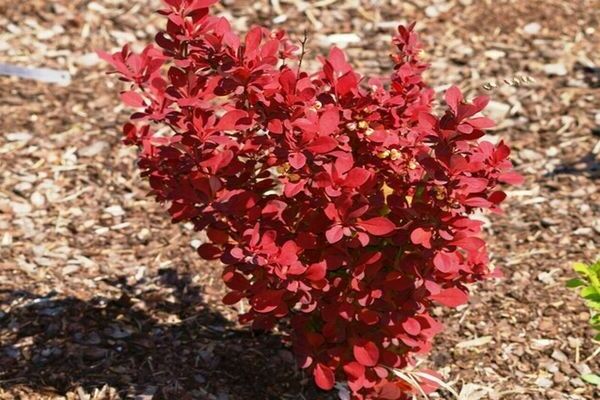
335	202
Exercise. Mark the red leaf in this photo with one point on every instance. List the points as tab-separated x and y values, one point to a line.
452	297
477	202
316	272
366	353
369	317
378	226
474	185
354	370
334	234
297	160
512	178
482	123
453	98
322	144
469	243
235	280
232	298
132	99
347	83
422	237
329	121
324	377
497	197
229	121
209	251
357	177
464	128
253	39
337	58
391	391
267	301
446	262
411	326
290	189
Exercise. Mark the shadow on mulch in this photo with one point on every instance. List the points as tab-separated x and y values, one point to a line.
157	338
588	166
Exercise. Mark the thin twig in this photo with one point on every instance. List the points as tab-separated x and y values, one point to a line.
303	43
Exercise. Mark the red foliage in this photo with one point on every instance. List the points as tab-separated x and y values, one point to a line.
338	203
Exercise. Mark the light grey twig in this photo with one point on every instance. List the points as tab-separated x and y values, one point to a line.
39	74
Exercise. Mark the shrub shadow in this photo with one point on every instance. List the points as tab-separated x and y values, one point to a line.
157	340
588	166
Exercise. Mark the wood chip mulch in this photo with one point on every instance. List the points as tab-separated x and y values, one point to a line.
102	298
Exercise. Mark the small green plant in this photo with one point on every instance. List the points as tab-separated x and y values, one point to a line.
589	282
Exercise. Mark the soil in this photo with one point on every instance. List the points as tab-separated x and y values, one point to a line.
102	298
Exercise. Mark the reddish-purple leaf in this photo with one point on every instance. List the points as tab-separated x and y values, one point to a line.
474	185
324	377
228	121
329	121
378	226
369	317
209	251
482	123
132	99
334	234
316	272
411	326
297	160
477	202
267	301
347	83
354	370
232	297
357	177
452	297
366	353
422	237
337	58
446	262
497	197
469	243
390	391
290	189
512	178
322	144
453	98
253	39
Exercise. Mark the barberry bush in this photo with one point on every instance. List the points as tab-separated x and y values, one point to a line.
336	203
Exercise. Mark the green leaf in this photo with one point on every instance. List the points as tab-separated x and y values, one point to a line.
594	304
581	268
575	282
591	378
597	337
588	292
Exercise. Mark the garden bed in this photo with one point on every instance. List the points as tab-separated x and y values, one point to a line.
100	295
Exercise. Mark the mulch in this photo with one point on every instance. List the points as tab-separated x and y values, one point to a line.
102	298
